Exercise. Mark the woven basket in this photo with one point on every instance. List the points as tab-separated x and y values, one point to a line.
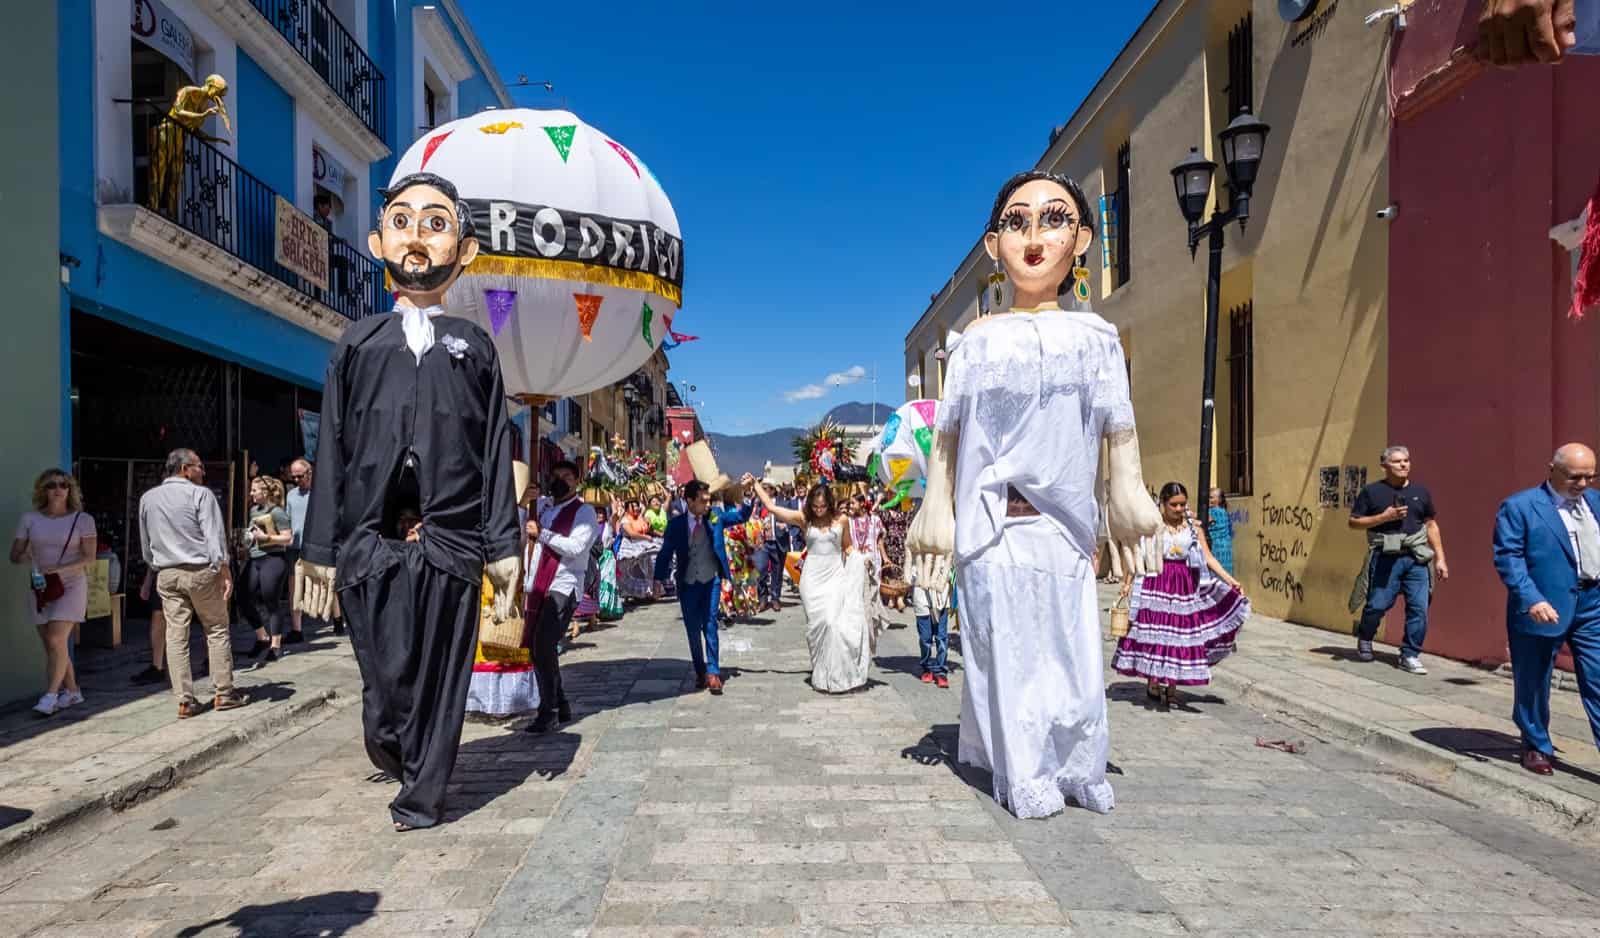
1119	619
501	636
894	589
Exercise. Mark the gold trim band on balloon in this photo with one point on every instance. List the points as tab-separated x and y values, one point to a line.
501	265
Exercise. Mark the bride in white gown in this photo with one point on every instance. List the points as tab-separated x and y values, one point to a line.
833	588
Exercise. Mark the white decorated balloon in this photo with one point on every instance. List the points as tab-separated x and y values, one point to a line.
899	455
580	269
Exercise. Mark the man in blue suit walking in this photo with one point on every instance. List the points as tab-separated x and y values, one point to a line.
1547	550
696	540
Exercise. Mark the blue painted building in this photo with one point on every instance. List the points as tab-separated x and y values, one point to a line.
187	315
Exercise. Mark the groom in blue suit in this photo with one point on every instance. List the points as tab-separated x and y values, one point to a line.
696	540
1547	551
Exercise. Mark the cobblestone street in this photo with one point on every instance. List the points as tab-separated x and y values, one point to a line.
776	811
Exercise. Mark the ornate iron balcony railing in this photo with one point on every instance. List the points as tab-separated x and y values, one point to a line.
211	196
333	53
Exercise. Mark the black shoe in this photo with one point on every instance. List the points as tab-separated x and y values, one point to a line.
338	628
258	649
544	724
294	638
150	675
272	655
564	712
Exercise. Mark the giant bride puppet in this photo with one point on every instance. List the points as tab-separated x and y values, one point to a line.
1030	394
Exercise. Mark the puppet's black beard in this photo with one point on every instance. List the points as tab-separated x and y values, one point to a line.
426	280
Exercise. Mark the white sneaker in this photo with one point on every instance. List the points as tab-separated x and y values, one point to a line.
47	704
1411	664
68	698
1363	649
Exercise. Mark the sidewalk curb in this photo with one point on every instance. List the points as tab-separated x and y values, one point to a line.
1498	785
130	788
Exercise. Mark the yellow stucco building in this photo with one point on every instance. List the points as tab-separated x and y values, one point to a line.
1302	351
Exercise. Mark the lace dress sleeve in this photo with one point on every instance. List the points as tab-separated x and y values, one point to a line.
957	390
1112	401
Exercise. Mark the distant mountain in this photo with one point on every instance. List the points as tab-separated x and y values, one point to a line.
861	414
750	453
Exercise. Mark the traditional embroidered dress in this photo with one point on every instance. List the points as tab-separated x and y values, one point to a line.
1180	621
1032	395
1219	531
636	559
741	593
503	683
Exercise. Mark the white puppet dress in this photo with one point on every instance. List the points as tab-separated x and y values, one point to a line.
1032	395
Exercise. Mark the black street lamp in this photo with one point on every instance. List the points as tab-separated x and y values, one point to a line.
1242	143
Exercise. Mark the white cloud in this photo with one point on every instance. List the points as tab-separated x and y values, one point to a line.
808	393
850	376
836	380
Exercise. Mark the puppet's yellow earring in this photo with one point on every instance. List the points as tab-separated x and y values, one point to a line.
1080	283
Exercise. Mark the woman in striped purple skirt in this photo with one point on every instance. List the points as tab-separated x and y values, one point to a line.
1182	618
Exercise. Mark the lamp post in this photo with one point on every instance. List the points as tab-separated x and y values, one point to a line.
1242	143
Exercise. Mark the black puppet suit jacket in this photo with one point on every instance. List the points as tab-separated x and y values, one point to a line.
379	405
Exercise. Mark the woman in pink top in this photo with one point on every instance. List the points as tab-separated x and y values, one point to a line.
58	537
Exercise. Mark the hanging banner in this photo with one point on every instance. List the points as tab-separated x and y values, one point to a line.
310	422
327	172
155	26
300	244
99	590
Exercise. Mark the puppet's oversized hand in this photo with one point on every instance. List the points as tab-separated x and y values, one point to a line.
931	542
314	595
1130	512
504	576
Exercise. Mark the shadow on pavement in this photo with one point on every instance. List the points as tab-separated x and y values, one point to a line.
326	914
1492	746
106	677
1133	692
10	815
909	664
1348	653
938	747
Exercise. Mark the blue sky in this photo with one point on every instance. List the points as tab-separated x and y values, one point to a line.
830	164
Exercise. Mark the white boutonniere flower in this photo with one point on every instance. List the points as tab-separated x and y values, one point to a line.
456	347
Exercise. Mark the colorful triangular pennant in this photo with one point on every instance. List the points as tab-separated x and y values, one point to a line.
924	438
874	463
645	314
897	468
431	145
588	312
562	136
680	338
926	409
624	154
891	429
501	303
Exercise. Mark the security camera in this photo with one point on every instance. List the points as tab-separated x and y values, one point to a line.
1389	212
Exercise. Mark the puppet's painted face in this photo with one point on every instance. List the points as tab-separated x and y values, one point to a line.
419	240
1040	234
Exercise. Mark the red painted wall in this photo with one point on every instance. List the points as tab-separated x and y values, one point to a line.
1487	375
683	426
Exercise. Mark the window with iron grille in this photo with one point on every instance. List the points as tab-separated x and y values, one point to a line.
1241	400
1241	67
1124	217
1108	230
574	418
